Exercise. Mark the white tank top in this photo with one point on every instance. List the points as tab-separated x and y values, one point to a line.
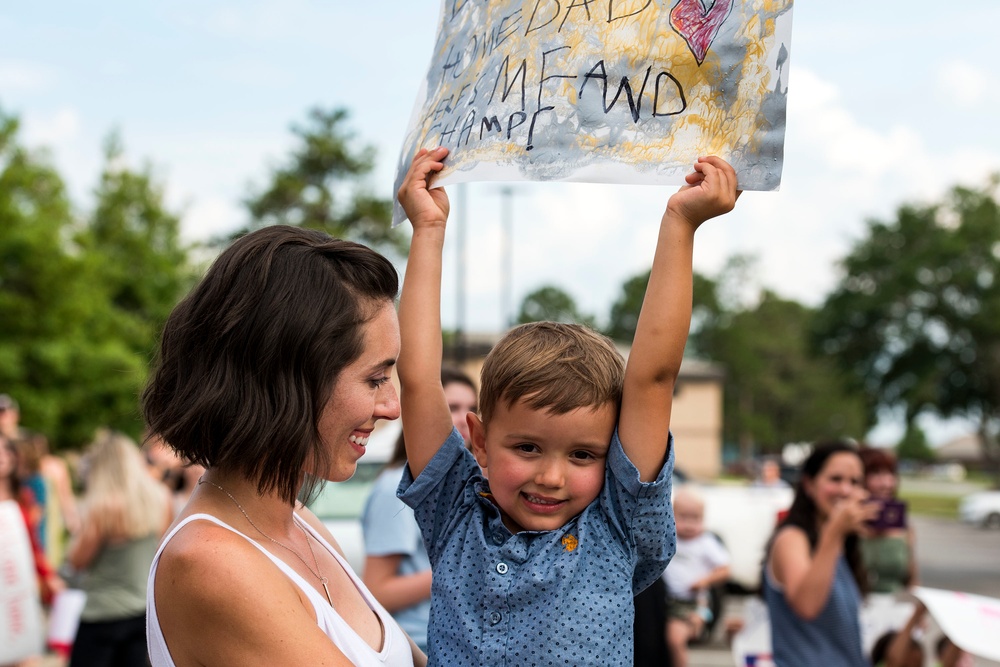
395	650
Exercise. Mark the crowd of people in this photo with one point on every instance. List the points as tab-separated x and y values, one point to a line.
514	525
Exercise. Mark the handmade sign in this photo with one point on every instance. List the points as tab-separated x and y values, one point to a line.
971	621
627	91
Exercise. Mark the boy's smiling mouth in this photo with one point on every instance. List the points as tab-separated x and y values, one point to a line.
541	501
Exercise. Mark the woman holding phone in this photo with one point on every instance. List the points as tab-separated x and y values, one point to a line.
814	579
888	549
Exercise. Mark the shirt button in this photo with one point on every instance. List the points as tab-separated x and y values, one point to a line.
502	568
498	539
495	618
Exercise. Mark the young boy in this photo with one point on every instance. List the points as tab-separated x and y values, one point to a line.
538	550
700	563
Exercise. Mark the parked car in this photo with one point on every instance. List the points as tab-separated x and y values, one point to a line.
742	516
981	509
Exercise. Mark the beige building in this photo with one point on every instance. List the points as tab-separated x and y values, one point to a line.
696	419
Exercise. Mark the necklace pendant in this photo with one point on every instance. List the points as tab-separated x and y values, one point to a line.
326	590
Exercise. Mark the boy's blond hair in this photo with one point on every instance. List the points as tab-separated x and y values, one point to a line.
552	366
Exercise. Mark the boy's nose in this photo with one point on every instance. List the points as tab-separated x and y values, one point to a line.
550	475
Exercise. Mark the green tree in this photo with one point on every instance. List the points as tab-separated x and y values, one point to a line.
625	310
776	390
42	307
915	319
81	301
551	304
322	186
914	446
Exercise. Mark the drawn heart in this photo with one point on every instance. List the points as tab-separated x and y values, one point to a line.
698	25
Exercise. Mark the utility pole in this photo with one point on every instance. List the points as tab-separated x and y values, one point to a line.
461	349
507	258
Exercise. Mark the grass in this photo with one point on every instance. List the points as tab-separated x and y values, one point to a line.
932	504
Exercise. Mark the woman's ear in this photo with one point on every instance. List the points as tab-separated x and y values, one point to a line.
478	445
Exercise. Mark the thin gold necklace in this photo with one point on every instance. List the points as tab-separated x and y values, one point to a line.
316	573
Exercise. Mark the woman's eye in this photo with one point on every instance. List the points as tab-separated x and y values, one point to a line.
378	382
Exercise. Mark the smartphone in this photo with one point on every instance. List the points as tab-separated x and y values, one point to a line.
891	515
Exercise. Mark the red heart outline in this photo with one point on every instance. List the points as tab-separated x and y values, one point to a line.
697	26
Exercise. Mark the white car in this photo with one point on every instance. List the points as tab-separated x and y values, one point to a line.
981	508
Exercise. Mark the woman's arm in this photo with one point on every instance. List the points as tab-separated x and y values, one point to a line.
393	590
87	543
807	575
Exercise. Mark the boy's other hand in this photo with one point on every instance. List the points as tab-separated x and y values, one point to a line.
424	206
710	191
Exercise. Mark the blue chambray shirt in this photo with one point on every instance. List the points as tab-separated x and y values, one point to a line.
561	597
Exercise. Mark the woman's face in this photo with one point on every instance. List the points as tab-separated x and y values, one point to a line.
840	478
362	395
881	484
461	401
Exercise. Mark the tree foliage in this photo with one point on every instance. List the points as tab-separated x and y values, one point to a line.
81	298
321	186
914	446
915	318
776	390
550	303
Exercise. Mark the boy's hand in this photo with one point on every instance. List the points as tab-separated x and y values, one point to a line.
710	191
425	207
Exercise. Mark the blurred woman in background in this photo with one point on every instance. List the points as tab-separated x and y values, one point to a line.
814	578
888	549
124	512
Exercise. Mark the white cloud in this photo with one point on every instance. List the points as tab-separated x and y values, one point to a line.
59	128
23	76
966	85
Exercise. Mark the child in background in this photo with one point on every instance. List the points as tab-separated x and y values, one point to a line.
538	550
700	563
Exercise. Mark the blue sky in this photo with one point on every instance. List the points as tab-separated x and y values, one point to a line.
888	103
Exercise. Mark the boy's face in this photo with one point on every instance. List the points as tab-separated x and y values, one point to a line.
689	518
543	468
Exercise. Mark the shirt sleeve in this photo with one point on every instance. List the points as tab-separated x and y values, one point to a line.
640	512
439	493
388	525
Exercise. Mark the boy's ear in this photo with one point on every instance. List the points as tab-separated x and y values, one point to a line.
478	432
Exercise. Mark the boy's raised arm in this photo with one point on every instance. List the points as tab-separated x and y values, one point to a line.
426	420
665	316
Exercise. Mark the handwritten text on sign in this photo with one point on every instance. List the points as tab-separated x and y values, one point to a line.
605	90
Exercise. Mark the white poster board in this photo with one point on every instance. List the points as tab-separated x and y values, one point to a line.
20	610
614	91
972	622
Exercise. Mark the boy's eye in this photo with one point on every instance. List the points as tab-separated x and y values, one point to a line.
525	447
582	455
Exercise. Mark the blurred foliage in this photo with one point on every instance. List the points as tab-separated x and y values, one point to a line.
82	298
776	390
914	446
915	319
321	186
552	304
